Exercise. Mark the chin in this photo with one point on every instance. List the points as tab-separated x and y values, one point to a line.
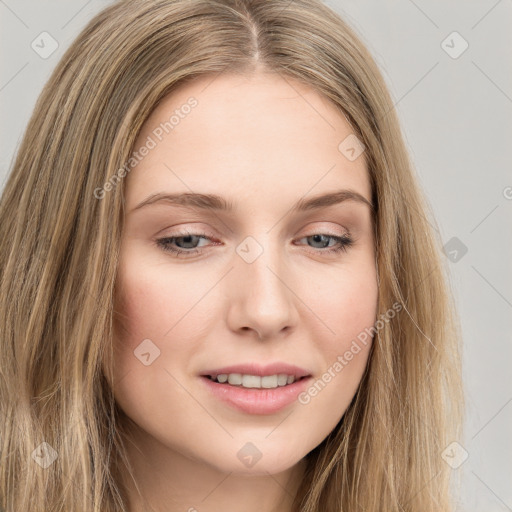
256	463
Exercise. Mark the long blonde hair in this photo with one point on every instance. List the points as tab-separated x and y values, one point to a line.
59	255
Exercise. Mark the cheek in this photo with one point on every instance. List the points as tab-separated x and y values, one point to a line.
344	303
345	310
153	301
162	311
151	312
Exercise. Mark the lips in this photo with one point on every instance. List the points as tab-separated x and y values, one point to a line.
244	386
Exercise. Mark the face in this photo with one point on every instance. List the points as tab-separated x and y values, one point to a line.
267	288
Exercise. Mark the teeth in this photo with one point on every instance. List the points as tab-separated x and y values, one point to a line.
282	379
255	381
235	379
251	381
269	381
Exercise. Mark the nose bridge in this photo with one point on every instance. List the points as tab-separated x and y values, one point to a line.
262	288
261	264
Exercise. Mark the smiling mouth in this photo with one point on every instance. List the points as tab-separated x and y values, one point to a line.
255	381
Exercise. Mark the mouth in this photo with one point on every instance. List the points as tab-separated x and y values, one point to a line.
255	389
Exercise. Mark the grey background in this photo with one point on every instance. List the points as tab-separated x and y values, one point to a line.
456	117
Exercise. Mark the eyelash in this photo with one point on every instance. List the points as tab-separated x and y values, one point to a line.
344	242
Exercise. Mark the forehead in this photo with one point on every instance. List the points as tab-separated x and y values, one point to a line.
265	133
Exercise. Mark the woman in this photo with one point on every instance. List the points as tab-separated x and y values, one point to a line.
260	370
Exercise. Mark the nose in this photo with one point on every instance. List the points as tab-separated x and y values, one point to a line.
261	296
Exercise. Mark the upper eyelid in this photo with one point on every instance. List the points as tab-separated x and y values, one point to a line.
208	232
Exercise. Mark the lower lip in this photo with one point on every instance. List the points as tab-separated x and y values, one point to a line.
257	400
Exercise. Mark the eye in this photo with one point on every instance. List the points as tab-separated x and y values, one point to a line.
186	239
342	243
185	244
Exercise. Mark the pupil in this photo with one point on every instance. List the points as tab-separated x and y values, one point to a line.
187	240
318	238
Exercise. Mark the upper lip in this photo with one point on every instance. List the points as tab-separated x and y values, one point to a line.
261	370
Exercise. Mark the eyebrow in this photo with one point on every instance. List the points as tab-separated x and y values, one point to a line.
213	202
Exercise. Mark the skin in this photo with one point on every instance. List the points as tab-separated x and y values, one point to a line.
295	303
